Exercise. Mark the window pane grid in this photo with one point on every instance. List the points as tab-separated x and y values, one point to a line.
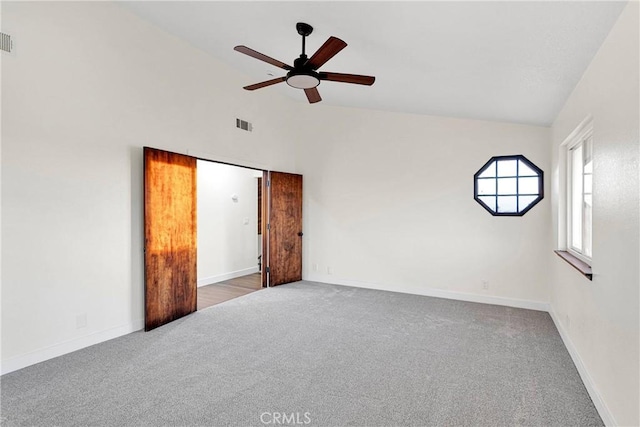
508	185
517	186
579	196
511	194
506	176
587	183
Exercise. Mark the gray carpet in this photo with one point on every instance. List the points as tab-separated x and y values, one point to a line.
315	354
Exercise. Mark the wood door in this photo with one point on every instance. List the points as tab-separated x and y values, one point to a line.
170	236
264	210
285	228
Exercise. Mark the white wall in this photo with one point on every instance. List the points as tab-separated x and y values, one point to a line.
227	229
388	204
599	319
88	86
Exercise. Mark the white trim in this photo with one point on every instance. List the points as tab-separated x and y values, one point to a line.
31	358
226	276
598	402
438	293
576	138
243	163
580	132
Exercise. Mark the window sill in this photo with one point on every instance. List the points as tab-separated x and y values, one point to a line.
579	265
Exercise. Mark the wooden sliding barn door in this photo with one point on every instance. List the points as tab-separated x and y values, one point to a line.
170	246
264	220
285	228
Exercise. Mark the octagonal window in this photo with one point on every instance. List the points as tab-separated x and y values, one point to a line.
508	185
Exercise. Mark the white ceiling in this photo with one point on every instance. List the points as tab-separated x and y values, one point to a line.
506	61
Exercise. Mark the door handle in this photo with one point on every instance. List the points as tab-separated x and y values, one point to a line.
300	233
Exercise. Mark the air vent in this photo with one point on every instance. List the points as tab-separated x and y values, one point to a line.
244	125
5	42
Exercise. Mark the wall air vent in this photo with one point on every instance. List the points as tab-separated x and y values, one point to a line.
6	43
244	125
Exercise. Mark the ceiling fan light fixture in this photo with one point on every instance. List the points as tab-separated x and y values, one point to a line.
303	80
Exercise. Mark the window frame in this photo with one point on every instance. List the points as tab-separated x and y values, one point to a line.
517	194
581	138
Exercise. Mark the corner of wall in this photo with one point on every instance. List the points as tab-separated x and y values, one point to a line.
590	385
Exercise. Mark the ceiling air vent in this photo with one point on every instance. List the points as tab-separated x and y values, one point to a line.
244	125
5	42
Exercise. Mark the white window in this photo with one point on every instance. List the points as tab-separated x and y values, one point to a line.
580	194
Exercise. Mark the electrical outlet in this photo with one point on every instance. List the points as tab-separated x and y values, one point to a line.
329	270
315	267
485	285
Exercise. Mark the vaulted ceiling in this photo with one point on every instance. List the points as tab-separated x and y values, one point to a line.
508	61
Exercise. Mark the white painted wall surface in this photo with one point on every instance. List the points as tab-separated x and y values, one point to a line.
88	86
388	204
600	318
227	229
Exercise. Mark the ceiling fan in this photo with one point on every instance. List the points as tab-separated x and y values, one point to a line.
304	74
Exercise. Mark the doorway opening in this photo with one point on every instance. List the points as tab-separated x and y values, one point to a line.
229	232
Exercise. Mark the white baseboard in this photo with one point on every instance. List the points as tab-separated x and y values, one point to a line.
439	293
227	276
598	402
22	361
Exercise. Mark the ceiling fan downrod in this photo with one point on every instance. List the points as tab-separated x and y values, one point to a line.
304	30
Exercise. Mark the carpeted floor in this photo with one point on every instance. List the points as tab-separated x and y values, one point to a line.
315	354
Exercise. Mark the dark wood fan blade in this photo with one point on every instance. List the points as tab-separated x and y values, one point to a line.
327	51
348	78
313	95
267	83
252	53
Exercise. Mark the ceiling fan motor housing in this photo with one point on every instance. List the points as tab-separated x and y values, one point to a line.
302	77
